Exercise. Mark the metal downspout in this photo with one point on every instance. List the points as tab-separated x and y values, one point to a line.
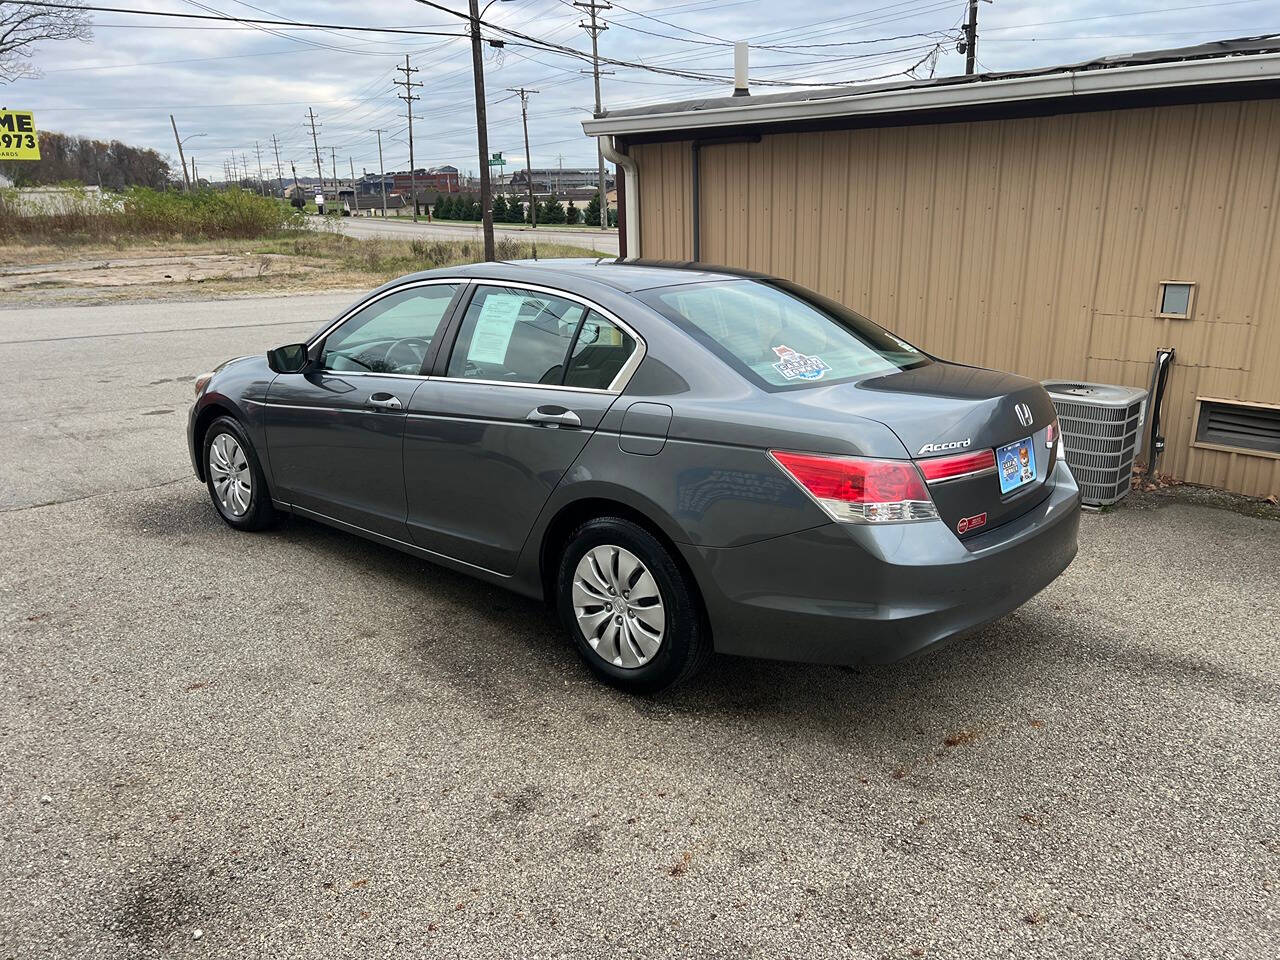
628	199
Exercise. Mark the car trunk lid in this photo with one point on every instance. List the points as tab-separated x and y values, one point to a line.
944	410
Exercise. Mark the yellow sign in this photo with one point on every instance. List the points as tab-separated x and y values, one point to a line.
18	138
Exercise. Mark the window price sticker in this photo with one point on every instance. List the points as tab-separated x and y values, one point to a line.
18	139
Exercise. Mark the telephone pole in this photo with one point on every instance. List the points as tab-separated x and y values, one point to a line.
262	184
528	165
482	132
315	143
186	183
595	28
382	174
408	97
275	143
333	159
971	38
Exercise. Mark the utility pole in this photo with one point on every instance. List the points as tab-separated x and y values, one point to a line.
245	161
382	174
186	183
971	38
528	164
275	143
408	97
333	159
195	177
482	132
559	174
315	143
297	187
595	28
262	184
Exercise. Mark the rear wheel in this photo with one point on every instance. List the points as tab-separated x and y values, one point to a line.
632	611
234	477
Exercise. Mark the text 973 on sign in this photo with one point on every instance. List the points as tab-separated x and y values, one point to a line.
18	138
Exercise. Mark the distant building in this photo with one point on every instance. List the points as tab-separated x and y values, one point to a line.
560	181
428	182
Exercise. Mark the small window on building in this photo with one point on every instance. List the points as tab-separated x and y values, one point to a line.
1176	299
1239	426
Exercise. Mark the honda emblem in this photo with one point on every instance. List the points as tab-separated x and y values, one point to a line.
1024	414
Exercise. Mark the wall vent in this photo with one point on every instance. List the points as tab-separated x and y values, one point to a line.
1241	426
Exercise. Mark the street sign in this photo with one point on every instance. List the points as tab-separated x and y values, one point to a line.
497	161
18	139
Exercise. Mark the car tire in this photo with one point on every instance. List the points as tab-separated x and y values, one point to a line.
231	463
615	634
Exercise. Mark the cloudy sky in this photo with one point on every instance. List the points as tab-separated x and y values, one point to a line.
236	85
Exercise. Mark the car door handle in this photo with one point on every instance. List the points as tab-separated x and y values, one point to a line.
384	401
552	416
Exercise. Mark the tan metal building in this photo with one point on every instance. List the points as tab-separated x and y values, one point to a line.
1059	223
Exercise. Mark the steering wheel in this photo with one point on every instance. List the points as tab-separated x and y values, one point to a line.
407	352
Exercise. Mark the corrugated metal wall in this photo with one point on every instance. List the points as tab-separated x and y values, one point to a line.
1033	245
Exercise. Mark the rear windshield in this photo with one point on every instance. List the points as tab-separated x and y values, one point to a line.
780	335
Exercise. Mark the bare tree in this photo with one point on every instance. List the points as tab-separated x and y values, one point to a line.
21	27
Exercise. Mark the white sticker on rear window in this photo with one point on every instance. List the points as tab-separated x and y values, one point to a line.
794	365
494	326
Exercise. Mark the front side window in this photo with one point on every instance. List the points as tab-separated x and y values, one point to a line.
391	335
780	336
517	335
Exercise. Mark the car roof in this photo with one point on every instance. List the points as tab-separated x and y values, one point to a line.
627	276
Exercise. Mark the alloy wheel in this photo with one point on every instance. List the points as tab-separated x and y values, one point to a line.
232	479
618	606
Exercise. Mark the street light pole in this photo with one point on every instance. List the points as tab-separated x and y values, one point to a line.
186	182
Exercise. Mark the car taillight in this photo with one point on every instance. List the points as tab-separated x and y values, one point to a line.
1053	440
938	469
854	490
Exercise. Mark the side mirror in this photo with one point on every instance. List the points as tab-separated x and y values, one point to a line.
290	359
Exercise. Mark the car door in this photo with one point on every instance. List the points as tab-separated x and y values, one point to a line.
529	376
335	432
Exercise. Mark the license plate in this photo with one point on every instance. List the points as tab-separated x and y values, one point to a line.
1016	464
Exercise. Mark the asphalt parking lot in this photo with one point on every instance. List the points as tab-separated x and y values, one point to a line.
299	744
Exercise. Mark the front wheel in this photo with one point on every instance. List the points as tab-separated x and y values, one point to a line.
234	476
632	611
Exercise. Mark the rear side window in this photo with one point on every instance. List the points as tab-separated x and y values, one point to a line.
779	335
521	336
514	335
599	353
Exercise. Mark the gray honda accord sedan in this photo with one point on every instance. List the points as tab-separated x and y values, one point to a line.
681	458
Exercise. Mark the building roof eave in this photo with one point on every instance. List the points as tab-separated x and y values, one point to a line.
1076	83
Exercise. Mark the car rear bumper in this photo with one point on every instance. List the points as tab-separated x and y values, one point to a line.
853	594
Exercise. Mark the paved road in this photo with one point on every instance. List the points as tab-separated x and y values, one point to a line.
298	744
604	243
